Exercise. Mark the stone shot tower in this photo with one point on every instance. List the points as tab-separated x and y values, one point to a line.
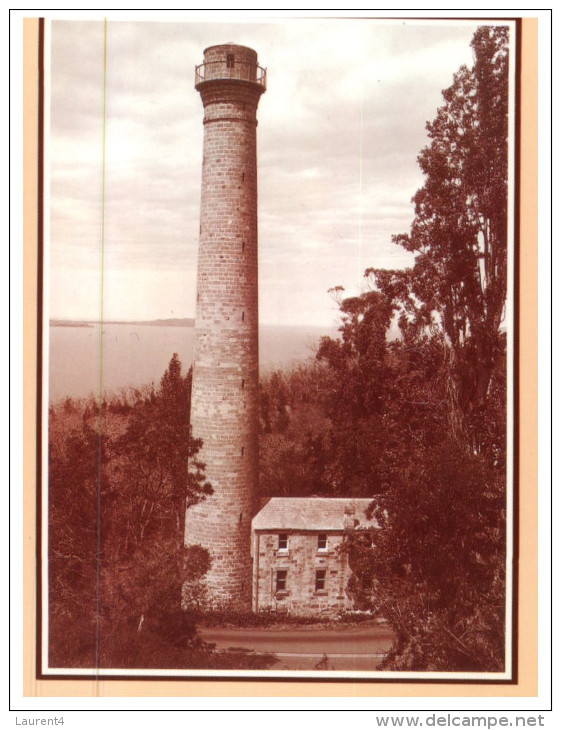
224	401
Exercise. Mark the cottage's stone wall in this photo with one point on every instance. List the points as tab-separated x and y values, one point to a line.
224	401
301	561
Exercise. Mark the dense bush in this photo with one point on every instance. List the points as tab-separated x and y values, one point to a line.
120	474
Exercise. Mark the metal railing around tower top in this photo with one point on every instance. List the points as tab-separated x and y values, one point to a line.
239	71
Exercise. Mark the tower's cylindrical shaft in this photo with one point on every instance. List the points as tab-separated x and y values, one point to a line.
224	400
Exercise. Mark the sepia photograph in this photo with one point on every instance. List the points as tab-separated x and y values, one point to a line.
278	350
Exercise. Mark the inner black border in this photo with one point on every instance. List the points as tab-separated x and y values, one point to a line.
240	676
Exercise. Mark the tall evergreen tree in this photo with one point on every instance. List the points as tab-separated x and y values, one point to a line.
459	233
436	568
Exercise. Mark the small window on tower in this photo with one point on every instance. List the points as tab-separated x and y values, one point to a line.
229	60
322	541
283	542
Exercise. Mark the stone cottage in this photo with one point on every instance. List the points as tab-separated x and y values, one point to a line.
298	566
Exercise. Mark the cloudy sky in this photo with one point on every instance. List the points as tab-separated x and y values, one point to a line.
340	127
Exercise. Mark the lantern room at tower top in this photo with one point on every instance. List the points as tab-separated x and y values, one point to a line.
232	62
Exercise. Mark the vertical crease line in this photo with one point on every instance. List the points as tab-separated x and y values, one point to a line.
359	262
42	487
100	394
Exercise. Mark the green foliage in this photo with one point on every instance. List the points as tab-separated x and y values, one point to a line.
156	457
459	234
168	642
75	479
356	375
121	473
274	619
294	434
436	567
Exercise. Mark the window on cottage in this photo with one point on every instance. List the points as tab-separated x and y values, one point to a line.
320	580
280	580
283	542
229	60
322	541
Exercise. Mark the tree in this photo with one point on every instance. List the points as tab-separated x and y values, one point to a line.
75	478
157	456
436	568
121	474
459	234
159	476
293	444
354	394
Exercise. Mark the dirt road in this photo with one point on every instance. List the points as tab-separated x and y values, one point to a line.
349	648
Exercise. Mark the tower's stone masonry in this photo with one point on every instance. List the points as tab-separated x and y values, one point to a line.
224	401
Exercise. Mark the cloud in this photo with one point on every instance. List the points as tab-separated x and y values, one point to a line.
339	130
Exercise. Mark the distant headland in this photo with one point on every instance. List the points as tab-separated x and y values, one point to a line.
172	322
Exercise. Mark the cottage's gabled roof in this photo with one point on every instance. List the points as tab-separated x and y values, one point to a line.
313	513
